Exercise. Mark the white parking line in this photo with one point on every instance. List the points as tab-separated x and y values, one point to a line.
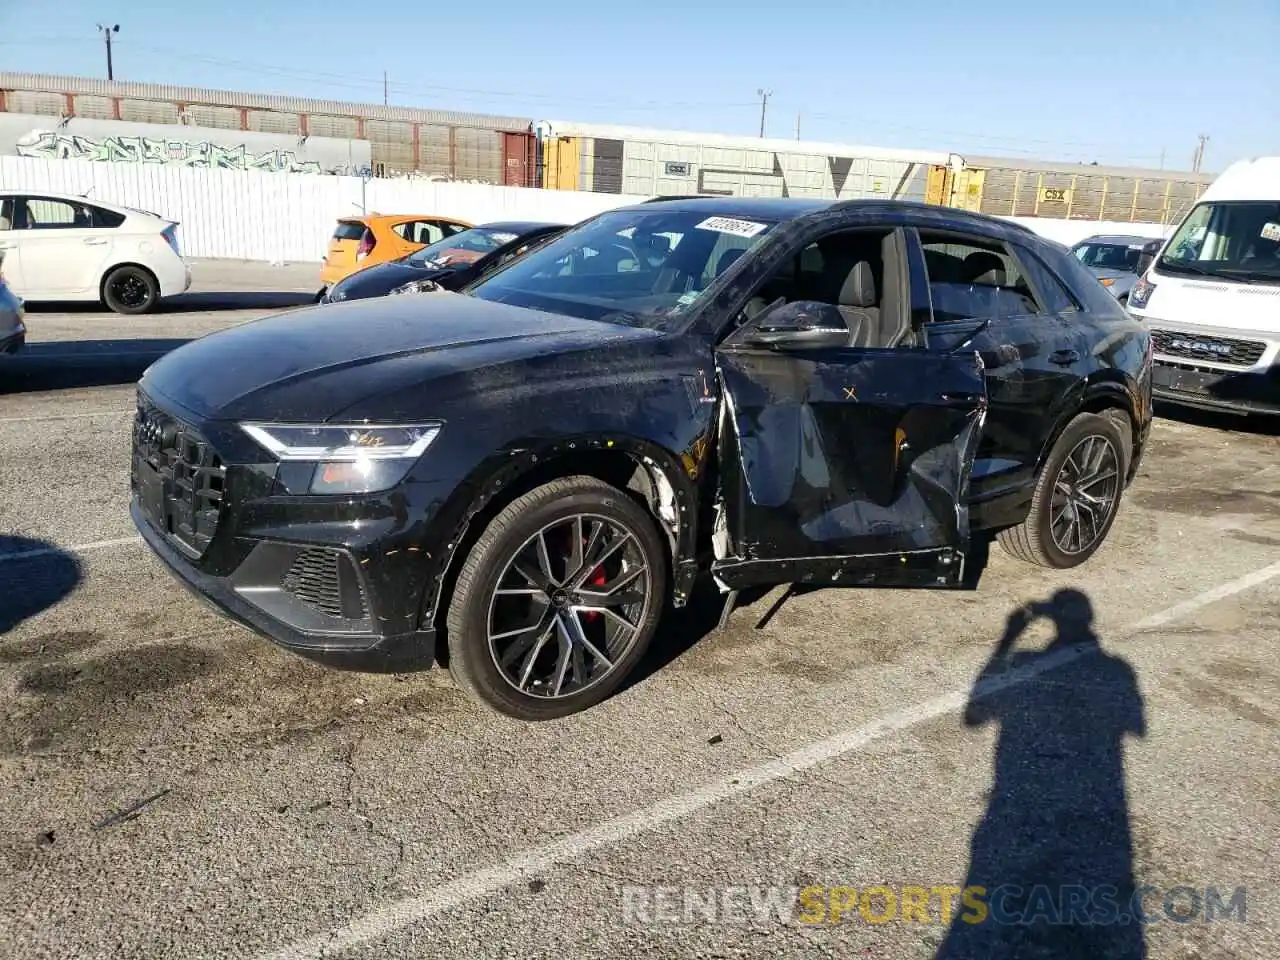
75	548
473	886
38	418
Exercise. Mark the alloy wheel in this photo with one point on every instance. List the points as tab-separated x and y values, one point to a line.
568	606
129	290
1085	494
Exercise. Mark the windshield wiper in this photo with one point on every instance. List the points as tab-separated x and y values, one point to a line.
1250	276
1188	266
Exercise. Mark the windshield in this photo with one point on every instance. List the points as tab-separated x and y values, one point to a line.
642	267
465	247
1110	256
1239	240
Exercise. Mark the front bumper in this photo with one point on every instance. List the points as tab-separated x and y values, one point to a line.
229	597
337	579
1244	391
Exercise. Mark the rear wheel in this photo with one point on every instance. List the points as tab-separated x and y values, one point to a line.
1076	497
557	601
130	290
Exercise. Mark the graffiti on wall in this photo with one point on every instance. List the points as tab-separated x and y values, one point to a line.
52	145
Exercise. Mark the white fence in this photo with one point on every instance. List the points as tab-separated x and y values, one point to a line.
248	215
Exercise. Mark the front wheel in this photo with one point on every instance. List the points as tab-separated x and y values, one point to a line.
1076	497
557	601
130	290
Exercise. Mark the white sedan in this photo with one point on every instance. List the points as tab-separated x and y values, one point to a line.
60	247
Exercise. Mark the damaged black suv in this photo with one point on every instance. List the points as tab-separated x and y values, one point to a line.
772	391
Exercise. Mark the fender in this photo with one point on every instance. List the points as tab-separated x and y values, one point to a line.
673	493
1098	392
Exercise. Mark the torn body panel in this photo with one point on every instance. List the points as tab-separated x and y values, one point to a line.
846	466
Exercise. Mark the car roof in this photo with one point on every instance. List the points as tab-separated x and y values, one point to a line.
768	208
75	198
1119	239
520	226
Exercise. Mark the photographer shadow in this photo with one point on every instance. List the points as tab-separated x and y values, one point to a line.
1054	851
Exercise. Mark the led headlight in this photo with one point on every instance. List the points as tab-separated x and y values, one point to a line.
348	458
417	286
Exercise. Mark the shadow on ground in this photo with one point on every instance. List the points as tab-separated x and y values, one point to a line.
1053	853
70	364
202	302
1256	424
34	576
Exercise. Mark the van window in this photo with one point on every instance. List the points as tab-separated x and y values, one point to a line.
1236	240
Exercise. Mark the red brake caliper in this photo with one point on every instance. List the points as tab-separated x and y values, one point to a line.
597	579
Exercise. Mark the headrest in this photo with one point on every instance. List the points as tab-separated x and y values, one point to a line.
985	268
727	260
859	288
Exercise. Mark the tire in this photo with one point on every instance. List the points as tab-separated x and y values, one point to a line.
1034	539
512	537
130	290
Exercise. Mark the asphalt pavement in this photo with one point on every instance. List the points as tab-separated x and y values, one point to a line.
173	786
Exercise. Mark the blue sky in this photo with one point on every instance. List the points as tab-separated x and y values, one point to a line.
1113	83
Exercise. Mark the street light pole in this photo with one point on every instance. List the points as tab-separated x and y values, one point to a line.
106	35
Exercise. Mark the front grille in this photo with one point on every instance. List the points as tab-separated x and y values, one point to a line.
326	582
1194	346
179	477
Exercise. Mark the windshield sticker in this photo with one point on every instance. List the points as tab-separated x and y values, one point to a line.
739	228
1271	231
503	237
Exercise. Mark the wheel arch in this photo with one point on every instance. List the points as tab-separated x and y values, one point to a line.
661	481
1103	395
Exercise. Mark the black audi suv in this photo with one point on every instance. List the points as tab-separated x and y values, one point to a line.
518	479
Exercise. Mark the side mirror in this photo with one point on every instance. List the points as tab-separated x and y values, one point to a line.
803	323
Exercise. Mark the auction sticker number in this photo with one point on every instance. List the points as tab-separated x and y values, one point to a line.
739	228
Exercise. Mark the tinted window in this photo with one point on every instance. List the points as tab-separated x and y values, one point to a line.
648	266
105	218
1056	296
1109	256
974	279
349	230
467	246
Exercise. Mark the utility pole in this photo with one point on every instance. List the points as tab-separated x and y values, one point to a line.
1199	158
106	35
797	124
384	88
1162	158
764	102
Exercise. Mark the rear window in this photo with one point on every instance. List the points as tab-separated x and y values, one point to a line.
349	230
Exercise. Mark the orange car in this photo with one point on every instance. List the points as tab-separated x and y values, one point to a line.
360	242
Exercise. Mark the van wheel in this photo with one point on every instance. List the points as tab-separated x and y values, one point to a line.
130	290
557	601
1076	497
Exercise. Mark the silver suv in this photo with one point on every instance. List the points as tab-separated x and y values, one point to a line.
1117	261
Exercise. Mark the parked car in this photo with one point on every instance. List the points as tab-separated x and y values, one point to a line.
360	242
64	247
448	264
13	330
1117	261
854	393
1212	297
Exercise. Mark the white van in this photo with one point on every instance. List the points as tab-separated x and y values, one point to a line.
1211	298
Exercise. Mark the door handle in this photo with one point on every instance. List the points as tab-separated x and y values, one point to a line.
94	243
1064	358
961	399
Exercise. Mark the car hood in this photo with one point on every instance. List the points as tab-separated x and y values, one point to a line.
1103	273
379	280
312	364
